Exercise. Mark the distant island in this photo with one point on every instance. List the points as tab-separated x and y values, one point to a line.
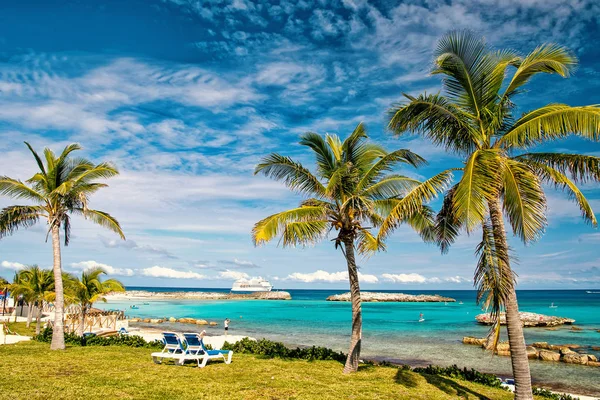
393	297
528	319
145	295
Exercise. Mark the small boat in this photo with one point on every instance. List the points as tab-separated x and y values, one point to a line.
553	306
421	319
460	302
134	307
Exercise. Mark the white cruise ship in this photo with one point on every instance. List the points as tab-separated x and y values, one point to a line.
252	285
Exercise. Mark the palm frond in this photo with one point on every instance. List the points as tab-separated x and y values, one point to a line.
15	217
304	232
551	122
479	183
447	226
423	222
368	244
437	119
326	162
293	174
548	58
38	160
18	190
550	175
390	186
524	201
493	279
386	164
101	218
413	201
581	168
270	227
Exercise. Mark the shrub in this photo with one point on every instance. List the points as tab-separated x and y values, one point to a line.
470	375
554	396
93	340
272	349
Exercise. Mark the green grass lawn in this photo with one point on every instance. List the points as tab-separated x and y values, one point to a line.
31	371
20	328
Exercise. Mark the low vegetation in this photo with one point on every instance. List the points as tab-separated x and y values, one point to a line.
93	372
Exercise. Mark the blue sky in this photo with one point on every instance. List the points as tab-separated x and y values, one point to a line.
186	96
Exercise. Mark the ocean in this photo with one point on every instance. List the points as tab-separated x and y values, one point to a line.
391	331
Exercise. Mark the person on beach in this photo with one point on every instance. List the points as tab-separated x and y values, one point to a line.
226	324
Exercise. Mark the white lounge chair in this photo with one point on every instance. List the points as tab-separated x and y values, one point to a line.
195	346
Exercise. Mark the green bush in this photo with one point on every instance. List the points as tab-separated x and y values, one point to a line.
118	340
554	396
470	375
272	349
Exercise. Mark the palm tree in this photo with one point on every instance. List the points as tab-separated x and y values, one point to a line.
62	187
351	192
476	119
89	289
36	286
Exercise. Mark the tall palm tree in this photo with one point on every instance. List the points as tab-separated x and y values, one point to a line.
88	289
351	191
62	187
36	285
475	117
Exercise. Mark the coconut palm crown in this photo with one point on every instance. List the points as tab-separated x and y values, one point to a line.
36	285
475	117
62	187
90	289
352	192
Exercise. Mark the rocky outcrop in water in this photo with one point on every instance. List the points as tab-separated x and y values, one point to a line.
392	297
528	319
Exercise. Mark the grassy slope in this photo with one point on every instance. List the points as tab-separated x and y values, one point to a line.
31	371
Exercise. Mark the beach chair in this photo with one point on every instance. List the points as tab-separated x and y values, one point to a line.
195	347
173	349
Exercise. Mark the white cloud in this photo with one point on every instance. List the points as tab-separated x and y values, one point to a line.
163	272
110	270
233	275
324	276
418	278
12	265
404	278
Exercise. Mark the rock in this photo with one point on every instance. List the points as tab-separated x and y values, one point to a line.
201	322
142	294
146	320
574	358
593	363
187	320
596	348
212	323
474	340
503	347
172	319
527	319
134	320
572	346
392	297
156	321
532	352
541	345
576	328
592	357
565	350
504	353
548	355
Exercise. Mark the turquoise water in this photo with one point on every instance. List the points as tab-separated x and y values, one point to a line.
392	331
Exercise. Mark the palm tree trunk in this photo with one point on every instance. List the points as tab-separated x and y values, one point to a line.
516	339
58	330
356	338
38	321
29	312
82	322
